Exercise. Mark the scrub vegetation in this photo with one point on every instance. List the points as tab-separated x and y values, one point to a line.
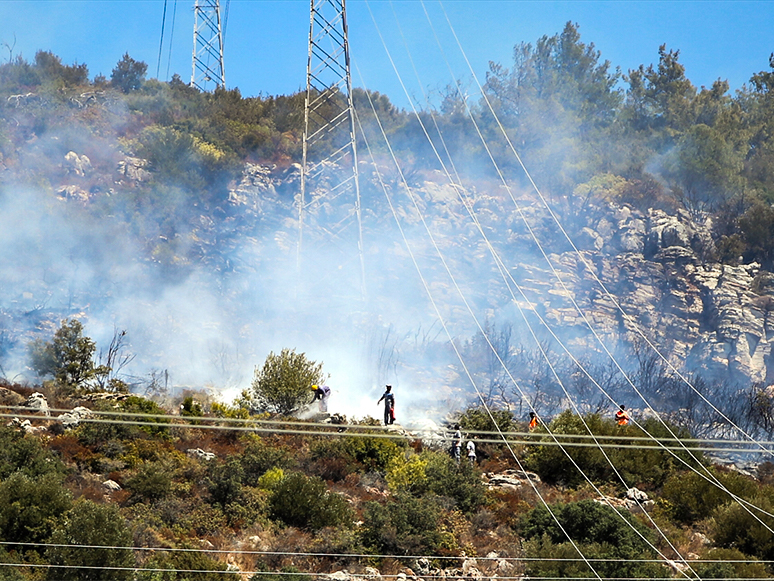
162	163
334	494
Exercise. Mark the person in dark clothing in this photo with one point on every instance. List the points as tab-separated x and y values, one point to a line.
322	393
389	406
456	443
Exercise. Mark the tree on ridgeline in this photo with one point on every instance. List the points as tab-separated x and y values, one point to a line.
129	74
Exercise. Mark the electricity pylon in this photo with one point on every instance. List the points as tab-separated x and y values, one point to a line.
207	68
329	123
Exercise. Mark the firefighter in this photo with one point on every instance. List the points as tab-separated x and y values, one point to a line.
322	393
622	416
389	405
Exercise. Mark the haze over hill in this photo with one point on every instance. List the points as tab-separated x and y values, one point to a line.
153	208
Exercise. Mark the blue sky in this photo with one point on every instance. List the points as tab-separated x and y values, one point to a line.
266	39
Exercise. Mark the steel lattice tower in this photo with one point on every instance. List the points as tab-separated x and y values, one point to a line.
207	65
329	119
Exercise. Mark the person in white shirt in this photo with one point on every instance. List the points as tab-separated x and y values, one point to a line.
471	445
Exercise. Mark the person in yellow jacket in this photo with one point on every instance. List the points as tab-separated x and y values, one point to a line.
322	393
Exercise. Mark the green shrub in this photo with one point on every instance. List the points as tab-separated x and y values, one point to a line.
264	573
478	419
101	435
735	527
183	566
645	467
730	570
91	524
562	560
404	526
30	507
222	410
460	482
251	505
271	478
20	452
191	408
8	573
152	482
439	474
258	457
407	474
284	383
600	532
586	521
372	454
335	458
305	502
688	496
224	481
201	519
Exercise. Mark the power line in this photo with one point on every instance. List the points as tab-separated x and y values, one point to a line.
443	322
171	38
583	259
710	477
354	575
368	555
343	430
348	426
504	273
408	191
161	41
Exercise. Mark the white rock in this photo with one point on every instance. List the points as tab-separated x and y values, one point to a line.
38	401
636	494
200	454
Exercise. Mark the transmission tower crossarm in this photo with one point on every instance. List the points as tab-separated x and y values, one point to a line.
207	64
329	120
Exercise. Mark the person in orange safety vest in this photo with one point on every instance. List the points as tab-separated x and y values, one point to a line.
622	416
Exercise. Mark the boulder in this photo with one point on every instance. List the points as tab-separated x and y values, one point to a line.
510	479
79	165
423	566
72	192
589	239
200	454
133	169
470	569
636	494
38	402
16	423
72	418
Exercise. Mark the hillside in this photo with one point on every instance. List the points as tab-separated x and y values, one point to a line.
174	498
151	257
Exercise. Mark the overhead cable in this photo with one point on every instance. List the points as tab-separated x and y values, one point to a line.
443	322
161	41
710	476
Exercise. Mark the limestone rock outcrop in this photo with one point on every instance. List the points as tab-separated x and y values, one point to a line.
716	319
